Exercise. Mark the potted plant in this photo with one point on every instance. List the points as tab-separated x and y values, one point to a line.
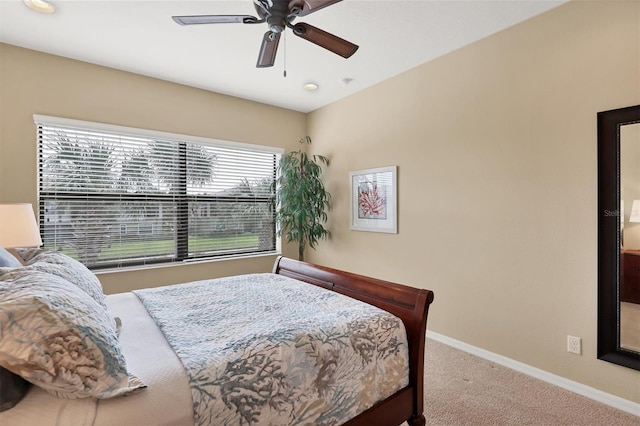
302	201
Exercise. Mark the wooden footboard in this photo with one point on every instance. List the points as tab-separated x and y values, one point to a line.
409	304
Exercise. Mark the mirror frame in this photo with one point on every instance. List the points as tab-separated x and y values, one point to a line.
609	123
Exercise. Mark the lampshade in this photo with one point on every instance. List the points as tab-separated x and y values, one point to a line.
635	212
18	227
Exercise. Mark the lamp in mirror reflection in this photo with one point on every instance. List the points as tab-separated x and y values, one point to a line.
634	217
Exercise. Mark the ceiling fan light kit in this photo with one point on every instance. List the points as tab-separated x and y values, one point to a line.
279	15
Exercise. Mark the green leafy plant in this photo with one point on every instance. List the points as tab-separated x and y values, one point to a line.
302	200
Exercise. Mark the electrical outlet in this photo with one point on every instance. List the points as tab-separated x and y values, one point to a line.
574	345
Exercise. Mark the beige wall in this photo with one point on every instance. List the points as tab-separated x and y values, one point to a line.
37	83
497	183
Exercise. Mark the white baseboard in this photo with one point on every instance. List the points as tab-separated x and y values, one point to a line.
593	393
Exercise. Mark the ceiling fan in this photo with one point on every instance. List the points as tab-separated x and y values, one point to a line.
279	14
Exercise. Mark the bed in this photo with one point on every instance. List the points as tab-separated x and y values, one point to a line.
173	389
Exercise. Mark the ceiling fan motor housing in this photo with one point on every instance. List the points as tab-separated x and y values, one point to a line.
276	16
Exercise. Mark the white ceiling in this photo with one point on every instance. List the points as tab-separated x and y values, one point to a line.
140	37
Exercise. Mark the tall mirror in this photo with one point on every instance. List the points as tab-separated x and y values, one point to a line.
619	236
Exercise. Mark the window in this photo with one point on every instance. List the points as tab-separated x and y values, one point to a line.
112	196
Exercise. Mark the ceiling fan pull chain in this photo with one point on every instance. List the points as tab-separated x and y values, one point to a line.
285	55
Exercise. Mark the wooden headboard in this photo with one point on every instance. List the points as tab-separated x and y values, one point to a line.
409	304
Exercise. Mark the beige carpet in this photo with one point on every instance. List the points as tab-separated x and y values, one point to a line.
462	389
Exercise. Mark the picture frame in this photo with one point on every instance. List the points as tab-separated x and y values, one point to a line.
374	200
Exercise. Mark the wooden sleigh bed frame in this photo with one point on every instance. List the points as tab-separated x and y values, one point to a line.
409	304
169	397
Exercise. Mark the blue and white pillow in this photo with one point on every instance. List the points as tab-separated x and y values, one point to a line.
7	260
58	263
59	338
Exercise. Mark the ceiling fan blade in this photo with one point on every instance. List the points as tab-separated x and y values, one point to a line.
268	50
324	39
214	19
309	6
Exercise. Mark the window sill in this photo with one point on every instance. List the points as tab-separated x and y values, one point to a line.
156	266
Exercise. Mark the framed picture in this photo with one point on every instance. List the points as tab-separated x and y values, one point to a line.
373	200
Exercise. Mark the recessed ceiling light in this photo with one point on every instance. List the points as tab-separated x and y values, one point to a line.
310	87
41	6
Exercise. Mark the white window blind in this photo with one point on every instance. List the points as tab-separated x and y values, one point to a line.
112	196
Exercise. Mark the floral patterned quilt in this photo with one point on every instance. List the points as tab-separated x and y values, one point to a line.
267	349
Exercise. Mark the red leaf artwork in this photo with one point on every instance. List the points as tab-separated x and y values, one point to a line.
371	203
